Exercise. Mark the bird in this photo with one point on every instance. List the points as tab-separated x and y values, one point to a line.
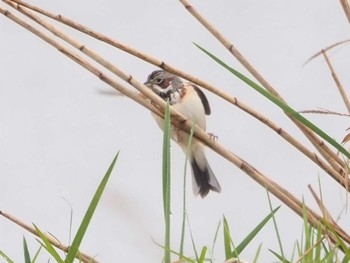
190	101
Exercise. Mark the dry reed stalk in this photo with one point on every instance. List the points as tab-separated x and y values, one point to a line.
320	204
309	250
337	81
327	49
341	91
84	257
326	111
274	188
335	171
325	151
346	8
326	214
340	87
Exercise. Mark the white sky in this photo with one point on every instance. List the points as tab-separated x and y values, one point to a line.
58	134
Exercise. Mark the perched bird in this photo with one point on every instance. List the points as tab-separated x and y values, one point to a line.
190	101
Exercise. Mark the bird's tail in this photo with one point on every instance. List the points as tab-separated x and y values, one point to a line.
203	178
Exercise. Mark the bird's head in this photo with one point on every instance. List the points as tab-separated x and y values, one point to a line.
163	83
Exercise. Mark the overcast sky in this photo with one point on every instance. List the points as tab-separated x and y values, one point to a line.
59	133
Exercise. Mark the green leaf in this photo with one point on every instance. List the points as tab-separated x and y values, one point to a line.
202	255
254	232
257	254
184	209
287	109
346	259
166	182
73	250
26	251
275	224
319	246
216	236
47	245
37	254
308	233
330	257
340	243
6	257
283	260
298	249
192	239
182	259
227	240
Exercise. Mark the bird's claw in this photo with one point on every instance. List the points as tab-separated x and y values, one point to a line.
213	136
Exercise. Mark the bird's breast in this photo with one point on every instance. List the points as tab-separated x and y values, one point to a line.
191	106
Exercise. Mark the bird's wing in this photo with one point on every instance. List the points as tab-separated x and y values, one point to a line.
204	99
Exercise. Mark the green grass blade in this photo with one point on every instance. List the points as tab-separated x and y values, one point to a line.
298	250
26	251
4	256
319	246
275	224
278	102
346	259
182	240
340	243
257	254
227	240
330	257
184	209
283	260
216	236
255	231
192	239
182	259
202	255
37	254
70	220
307	233
47	245
166	182
73	250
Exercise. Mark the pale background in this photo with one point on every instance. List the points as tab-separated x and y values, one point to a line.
58	134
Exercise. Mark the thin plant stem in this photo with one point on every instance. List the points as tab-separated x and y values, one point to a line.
166	184
346	8
275	225
337	81
326	49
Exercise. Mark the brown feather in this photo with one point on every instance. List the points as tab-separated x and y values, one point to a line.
204	100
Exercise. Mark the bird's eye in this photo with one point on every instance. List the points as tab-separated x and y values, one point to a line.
159	80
